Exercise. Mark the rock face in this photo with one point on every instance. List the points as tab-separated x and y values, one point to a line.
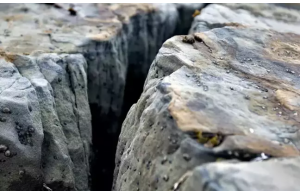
213	104
50	124
63	67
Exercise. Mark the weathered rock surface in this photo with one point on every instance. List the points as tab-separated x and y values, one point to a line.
266	16
228	94
58	83
62	67
21	131
246	176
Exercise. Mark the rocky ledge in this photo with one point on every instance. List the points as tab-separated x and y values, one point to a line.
219	109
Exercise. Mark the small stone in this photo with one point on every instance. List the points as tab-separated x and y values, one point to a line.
176	185
227	71
7	153
3	148
205	87
164	160
231	88
286	140
187	75
186	157
276	142
188	39
236	154
263	156
6	110
295	113
251	130
265	97
247	97
2	119
21	172
280	113
165	177
59	79
30	129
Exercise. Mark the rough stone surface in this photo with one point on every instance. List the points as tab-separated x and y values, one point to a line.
60	87
75	64
266	16
21	131
230	95
246	176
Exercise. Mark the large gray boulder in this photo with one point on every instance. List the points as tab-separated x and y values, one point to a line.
70	63
229	94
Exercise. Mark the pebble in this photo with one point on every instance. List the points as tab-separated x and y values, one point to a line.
286	140
165	177
2	119
205	87
6	110
7	153
186	157
21	172
236	154
164	160
3	148
263	156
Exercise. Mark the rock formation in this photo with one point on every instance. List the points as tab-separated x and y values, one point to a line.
219	109
216	110
65	70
